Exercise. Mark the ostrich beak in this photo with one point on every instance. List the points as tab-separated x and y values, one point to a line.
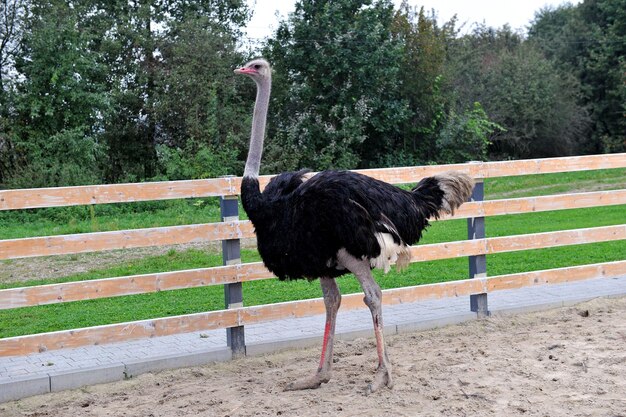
245	70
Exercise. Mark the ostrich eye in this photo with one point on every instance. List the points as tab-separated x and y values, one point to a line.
257	66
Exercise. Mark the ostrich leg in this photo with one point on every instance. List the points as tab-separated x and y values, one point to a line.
332	300
373	299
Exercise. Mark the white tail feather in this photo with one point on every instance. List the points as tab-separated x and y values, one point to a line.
390	253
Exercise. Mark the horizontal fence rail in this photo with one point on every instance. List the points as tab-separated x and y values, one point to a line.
541	203
124	193
123	239
115	193
493	245
137	284
295	309
174	235
406	175
130	285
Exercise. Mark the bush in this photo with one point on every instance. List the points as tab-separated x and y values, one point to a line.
465	137
67	158
205	162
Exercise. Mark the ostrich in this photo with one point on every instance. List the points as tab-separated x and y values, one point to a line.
336	222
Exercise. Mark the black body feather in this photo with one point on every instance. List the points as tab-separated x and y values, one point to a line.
301	224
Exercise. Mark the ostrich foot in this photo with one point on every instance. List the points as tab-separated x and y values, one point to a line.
381	378
312	382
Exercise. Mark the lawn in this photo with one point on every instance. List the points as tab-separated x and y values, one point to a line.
119	309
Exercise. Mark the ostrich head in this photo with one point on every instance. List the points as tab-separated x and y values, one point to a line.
259	70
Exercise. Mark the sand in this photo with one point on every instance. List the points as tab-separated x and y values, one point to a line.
565	362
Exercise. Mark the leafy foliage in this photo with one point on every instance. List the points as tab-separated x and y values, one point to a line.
102	85
106	91
336	101
421	73
522	91
589	41
204	162
58	106
465	137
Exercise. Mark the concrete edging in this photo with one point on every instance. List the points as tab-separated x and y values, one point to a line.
18	388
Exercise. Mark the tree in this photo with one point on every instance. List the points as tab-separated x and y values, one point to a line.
60	102
133	37
99	90
336	96
203	122
604	71
520	90
561	34
12	16
422	72
466	137
589	40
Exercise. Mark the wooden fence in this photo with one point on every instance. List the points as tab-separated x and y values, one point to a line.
234	272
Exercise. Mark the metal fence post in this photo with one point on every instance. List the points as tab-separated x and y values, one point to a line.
233	293
478	264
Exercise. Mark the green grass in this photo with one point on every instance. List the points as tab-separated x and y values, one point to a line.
120	309
545	184
107	217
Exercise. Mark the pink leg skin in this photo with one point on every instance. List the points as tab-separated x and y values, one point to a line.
332	301
373	299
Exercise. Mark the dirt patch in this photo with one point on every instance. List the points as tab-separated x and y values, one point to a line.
582	187
564	362
48	267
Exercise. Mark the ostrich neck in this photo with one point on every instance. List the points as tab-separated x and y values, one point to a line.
253	163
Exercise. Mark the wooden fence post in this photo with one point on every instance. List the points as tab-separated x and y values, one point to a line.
478	264
233	293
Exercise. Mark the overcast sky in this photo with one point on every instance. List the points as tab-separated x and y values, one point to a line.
517	13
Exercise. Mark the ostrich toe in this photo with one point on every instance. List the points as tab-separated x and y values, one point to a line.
381	378
311	382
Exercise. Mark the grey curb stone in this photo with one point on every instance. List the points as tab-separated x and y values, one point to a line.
71	379
257	349
141	366
435	323
16	388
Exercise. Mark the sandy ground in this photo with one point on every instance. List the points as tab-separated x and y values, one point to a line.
564	362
